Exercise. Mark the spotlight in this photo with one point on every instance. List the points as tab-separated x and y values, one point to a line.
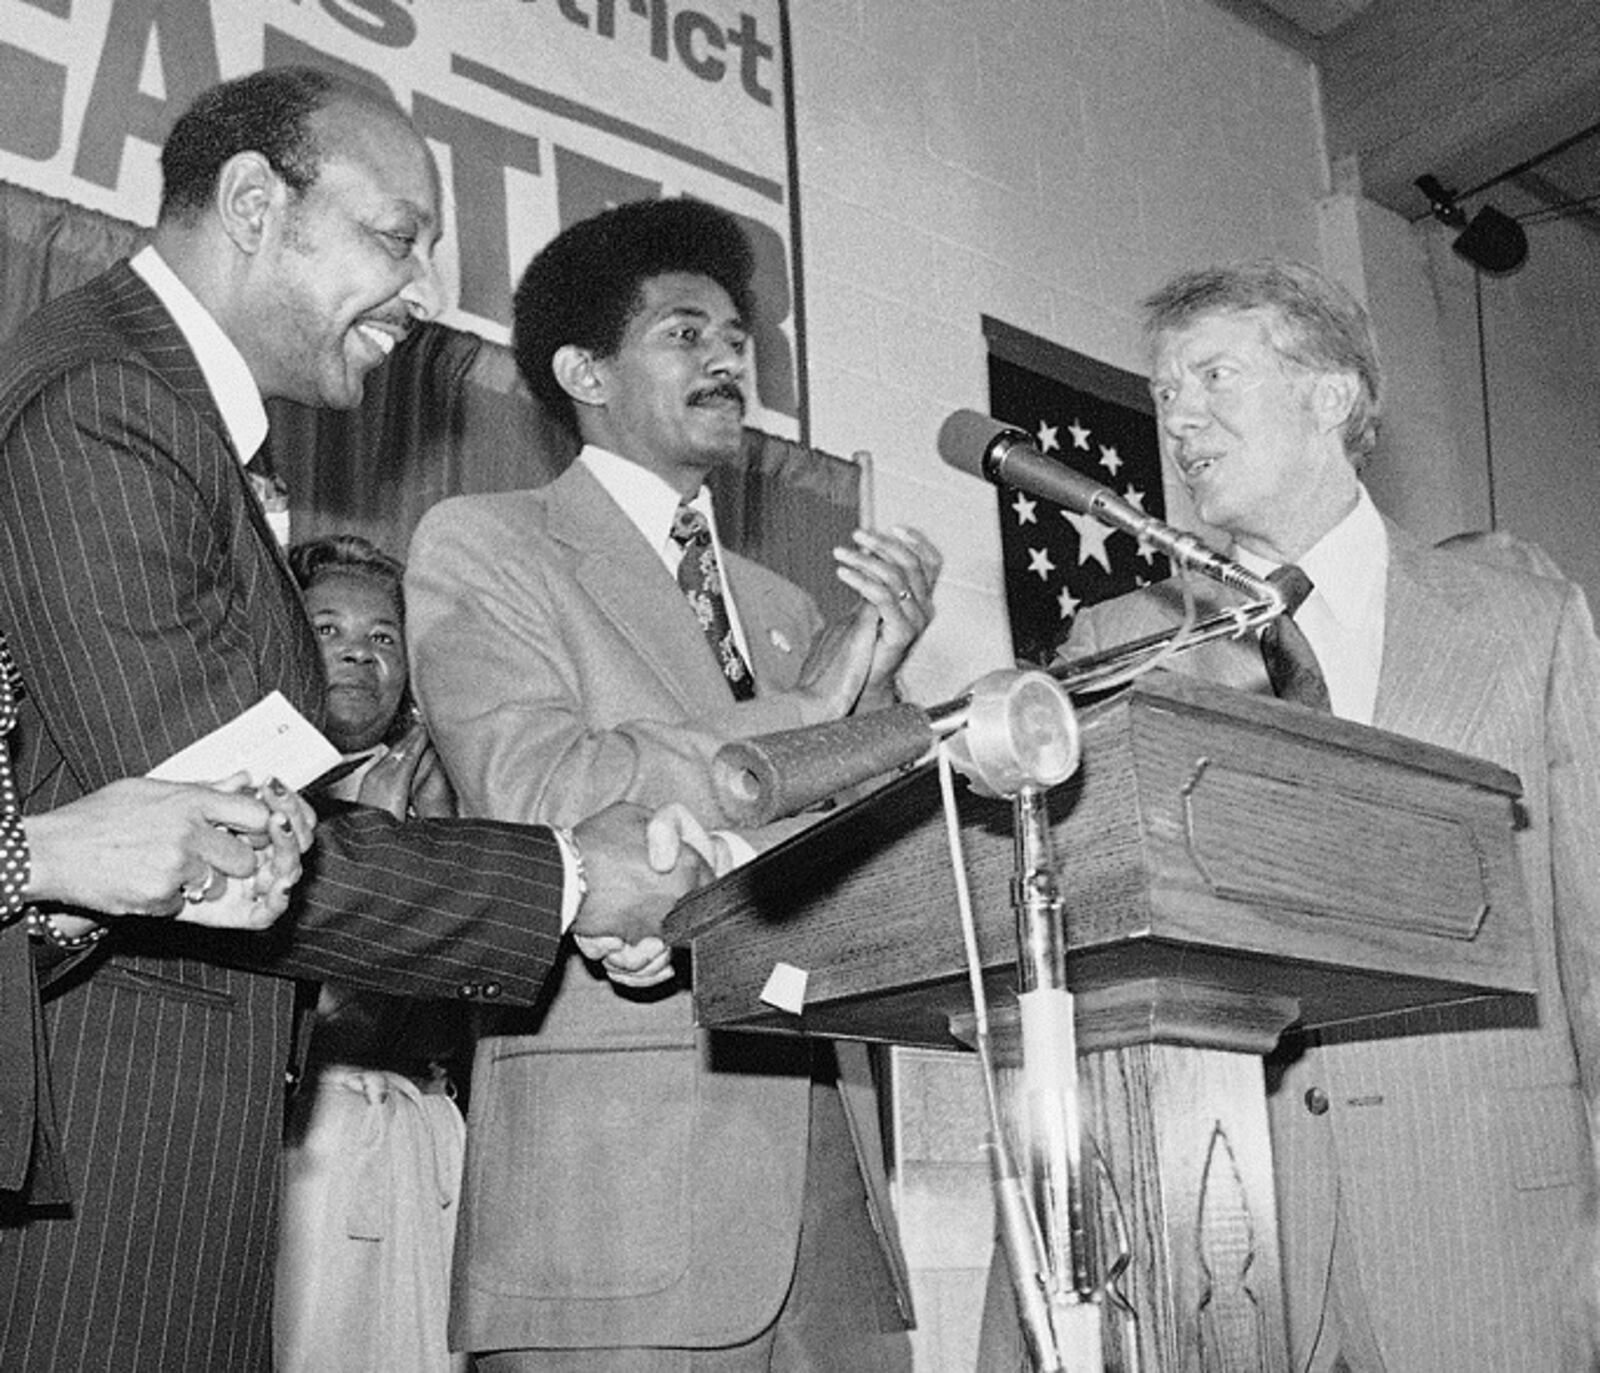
1491	241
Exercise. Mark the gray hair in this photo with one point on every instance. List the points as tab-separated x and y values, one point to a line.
1314	323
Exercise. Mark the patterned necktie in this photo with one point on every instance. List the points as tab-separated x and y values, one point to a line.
701	581
270	491
1292	665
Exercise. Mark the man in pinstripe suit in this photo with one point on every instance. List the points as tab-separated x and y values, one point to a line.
1434	1169
149	603
136	846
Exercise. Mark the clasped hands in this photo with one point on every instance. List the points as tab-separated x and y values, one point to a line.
639	865
854	661
222	855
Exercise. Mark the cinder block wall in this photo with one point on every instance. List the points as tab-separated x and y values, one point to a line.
1046	162
1042	161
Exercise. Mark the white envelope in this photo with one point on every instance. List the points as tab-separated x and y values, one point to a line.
271	739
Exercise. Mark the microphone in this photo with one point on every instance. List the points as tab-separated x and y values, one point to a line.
1017	729
977	444
763	779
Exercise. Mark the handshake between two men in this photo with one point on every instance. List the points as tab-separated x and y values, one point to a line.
228	856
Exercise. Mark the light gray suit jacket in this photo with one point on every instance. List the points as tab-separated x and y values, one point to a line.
618	1190
1456	1156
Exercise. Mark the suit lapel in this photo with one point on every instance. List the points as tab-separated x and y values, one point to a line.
631	587
776	638
1432	684
140	318
138	314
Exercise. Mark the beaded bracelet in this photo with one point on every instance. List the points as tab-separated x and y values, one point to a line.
42	926
15	867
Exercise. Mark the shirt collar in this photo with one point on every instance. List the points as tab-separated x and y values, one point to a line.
647	500
1347	565
223	366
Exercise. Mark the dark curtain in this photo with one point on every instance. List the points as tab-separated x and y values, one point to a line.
446	414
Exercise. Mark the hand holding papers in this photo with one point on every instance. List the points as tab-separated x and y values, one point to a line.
274	750
271	739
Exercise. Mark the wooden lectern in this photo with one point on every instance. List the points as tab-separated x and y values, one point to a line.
1231	866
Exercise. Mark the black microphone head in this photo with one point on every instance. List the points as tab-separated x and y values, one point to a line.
964	440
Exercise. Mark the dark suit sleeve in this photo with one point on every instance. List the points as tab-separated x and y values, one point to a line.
426	908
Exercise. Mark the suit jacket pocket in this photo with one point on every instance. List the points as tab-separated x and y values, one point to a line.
138	979
572	1190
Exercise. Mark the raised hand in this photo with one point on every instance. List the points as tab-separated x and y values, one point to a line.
409	779
854	661
895	574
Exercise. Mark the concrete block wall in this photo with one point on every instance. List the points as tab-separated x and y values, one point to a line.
1045	162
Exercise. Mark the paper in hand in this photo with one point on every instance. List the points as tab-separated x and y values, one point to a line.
271	739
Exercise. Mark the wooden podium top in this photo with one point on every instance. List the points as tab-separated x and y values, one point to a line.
1214	847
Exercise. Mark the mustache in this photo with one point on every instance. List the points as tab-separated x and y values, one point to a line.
719	390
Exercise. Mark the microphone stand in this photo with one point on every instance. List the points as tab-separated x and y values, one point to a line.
1051	1260
1013	734
1018	737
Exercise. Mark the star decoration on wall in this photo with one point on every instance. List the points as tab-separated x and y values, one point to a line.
1092	536
1055	567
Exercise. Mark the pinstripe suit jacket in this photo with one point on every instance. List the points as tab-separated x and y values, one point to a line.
28	1139
1455	1153
148	603
560	668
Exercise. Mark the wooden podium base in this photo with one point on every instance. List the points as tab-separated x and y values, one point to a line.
1184	1182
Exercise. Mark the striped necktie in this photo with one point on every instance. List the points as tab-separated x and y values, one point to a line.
701	581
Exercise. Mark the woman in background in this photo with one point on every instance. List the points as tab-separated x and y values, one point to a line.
374	1141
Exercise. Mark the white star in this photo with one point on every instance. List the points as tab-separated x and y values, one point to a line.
1048	442
1025	509
1092	536
1134	497
1109	459
1080	435
1068	602
1147	551
1039	561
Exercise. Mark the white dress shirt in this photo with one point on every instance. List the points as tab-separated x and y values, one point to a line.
650	504
1343	617
227	374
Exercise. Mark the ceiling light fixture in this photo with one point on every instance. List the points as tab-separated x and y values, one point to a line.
1491	240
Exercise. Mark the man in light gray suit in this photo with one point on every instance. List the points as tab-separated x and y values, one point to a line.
561	659
1434	1169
